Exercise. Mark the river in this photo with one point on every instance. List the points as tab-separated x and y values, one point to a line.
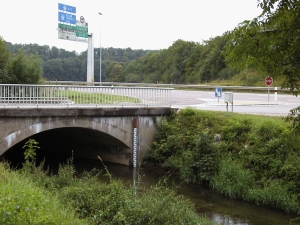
216	207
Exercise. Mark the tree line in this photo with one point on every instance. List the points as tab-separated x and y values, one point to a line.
59	64
183	62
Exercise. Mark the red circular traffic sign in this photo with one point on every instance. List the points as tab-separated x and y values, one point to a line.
269	81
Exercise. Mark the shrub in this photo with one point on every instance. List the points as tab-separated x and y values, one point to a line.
233	180
235	134
290	170
197	165
268	130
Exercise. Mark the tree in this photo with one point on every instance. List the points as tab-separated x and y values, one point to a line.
270	42
4	59
175	61
72	69
4	54
115	72
25	69
53	69
54	52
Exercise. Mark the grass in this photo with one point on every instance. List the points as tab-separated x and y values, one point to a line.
98	98
23	202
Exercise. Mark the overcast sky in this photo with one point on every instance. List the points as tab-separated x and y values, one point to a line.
138	24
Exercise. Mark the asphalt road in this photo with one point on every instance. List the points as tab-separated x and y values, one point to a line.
262	104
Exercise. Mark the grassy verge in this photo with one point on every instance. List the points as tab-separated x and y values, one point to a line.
96	98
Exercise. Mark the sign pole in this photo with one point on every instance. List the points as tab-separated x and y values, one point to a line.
90	60
268	82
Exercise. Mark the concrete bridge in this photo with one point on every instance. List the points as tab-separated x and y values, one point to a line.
116	123
119	135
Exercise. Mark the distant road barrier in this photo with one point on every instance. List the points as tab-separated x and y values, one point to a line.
195	86
66	95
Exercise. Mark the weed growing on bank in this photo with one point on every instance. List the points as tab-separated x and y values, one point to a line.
22	201
32	196
254	158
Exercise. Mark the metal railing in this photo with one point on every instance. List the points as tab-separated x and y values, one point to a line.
179	86
70	95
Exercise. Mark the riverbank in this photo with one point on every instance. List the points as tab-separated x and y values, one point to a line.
252	158
32	196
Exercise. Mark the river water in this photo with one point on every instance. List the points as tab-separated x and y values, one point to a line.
217	208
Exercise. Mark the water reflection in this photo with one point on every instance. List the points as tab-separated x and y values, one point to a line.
217	208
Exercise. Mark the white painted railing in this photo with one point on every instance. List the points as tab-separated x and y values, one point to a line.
26	95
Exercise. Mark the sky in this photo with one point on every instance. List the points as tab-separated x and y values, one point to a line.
138	24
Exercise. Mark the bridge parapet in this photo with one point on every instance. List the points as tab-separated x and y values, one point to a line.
69	95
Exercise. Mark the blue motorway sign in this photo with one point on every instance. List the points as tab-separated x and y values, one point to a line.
218	92
66	18
66	8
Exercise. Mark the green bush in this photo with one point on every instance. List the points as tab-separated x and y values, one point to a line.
269	130
235	134
197	165
233	180
268	159
290	170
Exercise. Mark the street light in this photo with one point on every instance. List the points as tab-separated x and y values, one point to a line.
100	49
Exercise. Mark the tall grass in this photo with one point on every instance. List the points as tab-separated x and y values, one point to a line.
23	202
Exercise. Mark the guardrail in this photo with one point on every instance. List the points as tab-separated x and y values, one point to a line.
194	86
72	95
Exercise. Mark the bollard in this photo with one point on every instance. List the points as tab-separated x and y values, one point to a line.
275	92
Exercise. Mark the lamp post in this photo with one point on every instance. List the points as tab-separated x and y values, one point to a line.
100	50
